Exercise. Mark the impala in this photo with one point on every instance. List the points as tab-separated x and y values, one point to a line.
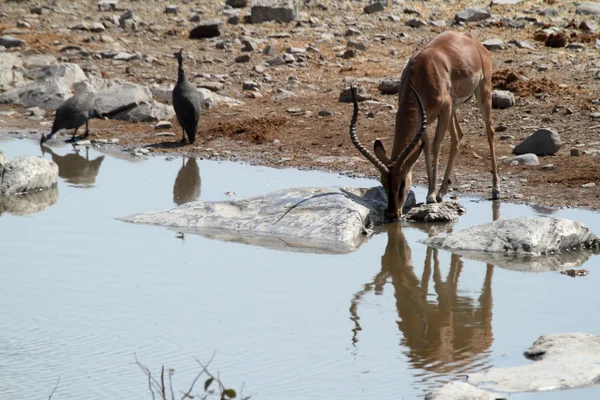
437	79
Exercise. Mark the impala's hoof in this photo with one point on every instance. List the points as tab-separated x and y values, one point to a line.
495	194
439	198
430	200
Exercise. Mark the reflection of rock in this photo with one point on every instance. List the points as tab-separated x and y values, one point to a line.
445	334
28	203
27	174
566	360
76	169
328	219
529	263
461	391
528	236
187	184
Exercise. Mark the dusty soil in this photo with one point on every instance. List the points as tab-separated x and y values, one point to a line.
290	133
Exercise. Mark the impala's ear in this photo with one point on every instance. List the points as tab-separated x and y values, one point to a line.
380	152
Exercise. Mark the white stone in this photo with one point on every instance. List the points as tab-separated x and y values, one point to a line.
461	391
27	174
333	220
534	244
564	360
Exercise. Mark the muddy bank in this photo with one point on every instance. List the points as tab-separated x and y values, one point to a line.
284	81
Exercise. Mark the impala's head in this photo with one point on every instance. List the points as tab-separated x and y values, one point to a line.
395	173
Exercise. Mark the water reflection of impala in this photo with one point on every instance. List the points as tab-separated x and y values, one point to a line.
445	336
74	168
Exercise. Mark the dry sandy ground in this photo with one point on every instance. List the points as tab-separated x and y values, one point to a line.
290	133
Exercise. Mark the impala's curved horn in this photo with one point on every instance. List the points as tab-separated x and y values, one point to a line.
418	137
374	160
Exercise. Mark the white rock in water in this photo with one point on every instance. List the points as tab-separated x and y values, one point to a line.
27	174
532	244
461	391
332	220
564	360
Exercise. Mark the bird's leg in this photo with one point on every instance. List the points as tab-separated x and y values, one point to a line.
182	135
74	133
87	153
87	129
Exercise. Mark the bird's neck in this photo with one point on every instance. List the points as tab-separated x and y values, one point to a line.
180	73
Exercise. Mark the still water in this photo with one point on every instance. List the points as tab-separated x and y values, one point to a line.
81	293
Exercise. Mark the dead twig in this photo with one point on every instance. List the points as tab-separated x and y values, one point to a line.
55	387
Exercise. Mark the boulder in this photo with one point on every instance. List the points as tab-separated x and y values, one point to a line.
563	360
28	203
206	29
493	44
273	10
52	86
26	174
375	6
436	212
330	220
9	70
533	244
588	9
237	3
361	94
461	391
38	94
542	142
10	42
389	86
147	112
38	60
115	99
502	99
523	159
505	2
472	14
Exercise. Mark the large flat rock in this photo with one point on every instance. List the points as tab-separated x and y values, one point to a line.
527	244
564	360
333	220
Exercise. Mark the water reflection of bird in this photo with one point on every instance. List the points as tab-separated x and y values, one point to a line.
448	336
76	169
188	183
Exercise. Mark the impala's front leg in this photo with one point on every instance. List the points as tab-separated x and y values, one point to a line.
456	135
430	182
442	127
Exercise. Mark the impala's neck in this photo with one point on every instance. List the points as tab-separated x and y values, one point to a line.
407	117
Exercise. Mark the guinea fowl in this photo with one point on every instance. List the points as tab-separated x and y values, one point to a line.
186	102
73	113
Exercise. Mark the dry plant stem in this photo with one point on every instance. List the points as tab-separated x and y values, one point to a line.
162	382
171	384
153	384
55	387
